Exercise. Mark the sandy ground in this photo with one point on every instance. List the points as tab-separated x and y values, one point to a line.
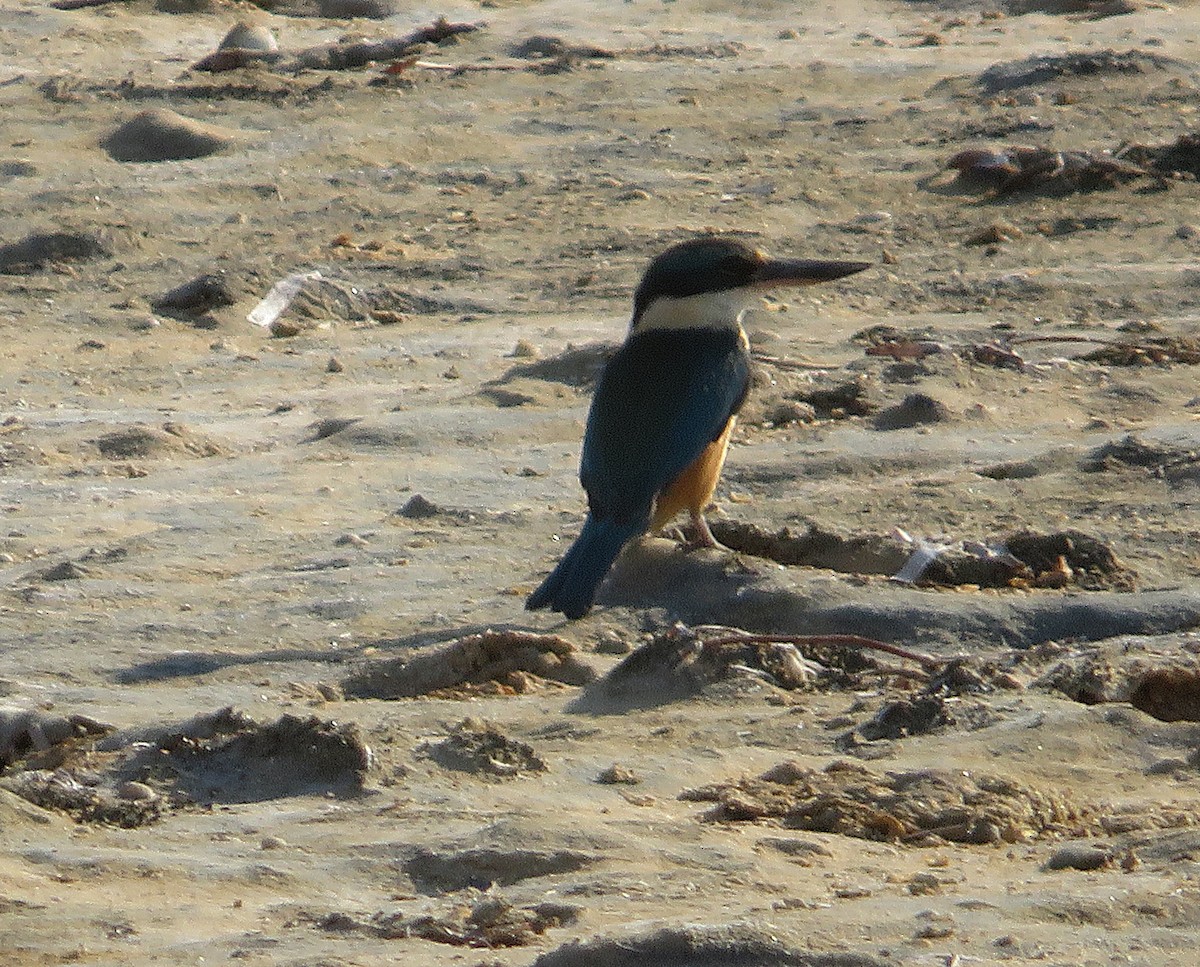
200	514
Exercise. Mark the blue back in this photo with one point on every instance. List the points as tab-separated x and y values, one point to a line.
661	400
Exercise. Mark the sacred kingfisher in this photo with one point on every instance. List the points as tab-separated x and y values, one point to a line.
666	403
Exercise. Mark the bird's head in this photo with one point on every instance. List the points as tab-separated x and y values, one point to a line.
708	282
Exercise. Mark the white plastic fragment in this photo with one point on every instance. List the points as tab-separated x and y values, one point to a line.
280	297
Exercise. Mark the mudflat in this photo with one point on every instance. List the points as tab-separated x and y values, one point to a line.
298	337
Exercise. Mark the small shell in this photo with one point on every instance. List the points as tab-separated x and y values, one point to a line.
248	36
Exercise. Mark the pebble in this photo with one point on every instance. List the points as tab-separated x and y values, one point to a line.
334	365
417	507
196	296
285	329
248	36
1078	856
617	774
136	792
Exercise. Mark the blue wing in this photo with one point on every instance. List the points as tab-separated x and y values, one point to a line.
661	400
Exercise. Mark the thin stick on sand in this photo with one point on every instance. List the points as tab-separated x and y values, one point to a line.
731	636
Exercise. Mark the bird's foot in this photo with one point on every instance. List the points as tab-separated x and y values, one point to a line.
702	536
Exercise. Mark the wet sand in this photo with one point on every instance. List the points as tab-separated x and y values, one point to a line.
200	513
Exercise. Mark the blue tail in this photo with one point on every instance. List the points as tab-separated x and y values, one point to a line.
571	587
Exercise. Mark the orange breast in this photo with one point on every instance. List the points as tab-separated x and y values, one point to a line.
693	489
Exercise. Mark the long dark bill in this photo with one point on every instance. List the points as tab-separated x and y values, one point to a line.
775	272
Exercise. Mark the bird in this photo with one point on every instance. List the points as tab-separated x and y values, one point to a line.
666	403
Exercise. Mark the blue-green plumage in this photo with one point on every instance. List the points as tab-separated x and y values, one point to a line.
665	398
662	399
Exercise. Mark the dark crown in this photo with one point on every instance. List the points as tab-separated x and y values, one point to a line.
699	265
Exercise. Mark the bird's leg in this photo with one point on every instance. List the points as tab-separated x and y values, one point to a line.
702	536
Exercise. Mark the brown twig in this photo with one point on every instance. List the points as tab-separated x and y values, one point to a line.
1084	339
467	68
736	636
780	363
81	4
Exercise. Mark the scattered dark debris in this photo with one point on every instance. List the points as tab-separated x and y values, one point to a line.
1024	560
493	663
1076	9
330	425
717	51
445	872
916	409
197	297
994	234
1179	157
906	717
922	807
698	946
849	398
937	705
799	851
1021	167
39	250
857	554
63	571
1091	563
479	747
681	662
144	441
1079	856
910	348
967	676
1163	460
1169	694
1161	680
1013	75
1155	351
541	46
198	729
492	922
350	54
618	775
62	791
577	366
288	757
235	58
418	507
33	737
